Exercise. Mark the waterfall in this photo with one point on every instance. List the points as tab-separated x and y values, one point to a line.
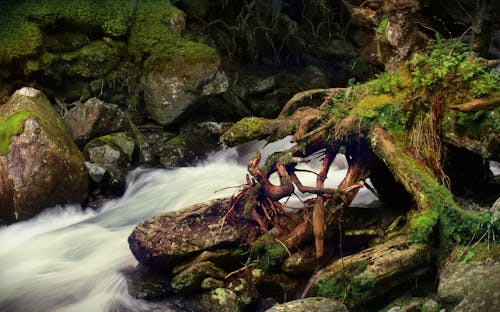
71	259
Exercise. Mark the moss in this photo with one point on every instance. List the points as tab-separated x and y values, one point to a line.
152	41
422	226
12	126
370	105
268	252
21	22
347	285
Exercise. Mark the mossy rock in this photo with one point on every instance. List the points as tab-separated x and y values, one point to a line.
40	166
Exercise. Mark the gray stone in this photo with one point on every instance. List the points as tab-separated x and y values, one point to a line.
92	119
458	280
96	172
316	304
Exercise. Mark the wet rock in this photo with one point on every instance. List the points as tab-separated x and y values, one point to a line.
190	280
177	87
169	238
144	283
92	119
193	143
317	304
40	166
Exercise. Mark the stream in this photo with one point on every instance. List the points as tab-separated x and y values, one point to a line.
71	258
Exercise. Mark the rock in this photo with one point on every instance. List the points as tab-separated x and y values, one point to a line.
112	153
92	119
172	237
112	149
485	295
190	280
313	78
194	142
316	304
177	87
144	283
277	285
245	290
219	299
470	278
40	166
458	280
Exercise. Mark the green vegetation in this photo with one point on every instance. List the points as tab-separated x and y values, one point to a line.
22	21
12	126
153	28
151	40
450	63
268	252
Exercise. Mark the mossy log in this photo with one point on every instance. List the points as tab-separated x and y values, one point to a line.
372	273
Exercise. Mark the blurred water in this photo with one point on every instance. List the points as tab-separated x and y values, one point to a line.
70	259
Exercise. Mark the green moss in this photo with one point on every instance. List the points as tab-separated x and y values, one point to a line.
268	252
21	21
422	226
151	40
12	126
348	285
370	105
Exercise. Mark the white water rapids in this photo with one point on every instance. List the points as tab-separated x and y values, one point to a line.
70	259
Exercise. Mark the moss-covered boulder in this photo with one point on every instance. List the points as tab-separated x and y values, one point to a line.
469	278
175	88
40	166
166	239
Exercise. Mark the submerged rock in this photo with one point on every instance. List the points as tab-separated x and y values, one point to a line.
40	166
166	239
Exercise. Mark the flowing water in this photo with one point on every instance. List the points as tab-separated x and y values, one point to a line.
71	259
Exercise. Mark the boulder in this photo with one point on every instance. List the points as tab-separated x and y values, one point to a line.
169	238
175	88
317	304
92	119
40	165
